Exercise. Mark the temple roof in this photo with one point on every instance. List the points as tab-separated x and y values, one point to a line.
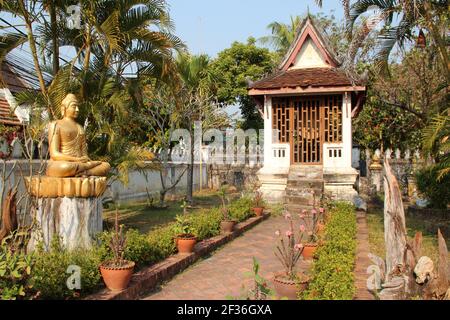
310	65
7	116
310	77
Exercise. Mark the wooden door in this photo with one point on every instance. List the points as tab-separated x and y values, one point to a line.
306	123
307	133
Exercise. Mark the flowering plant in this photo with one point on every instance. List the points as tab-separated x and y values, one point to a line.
224	199
258	200
310	223
289	248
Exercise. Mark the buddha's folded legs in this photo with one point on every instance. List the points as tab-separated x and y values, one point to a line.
65	169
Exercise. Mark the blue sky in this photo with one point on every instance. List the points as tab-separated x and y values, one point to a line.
209	26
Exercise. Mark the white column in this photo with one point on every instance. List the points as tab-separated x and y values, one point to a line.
268	136
347	129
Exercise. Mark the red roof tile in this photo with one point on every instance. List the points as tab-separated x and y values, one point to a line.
7	116
311	77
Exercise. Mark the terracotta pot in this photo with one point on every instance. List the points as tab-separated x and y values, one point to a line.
309	250
286	288
320	228
258	211
117	279
227	226
186	244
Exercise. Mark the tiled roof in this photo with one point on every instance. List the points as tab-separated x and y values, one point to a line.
12	80
311	77
7	117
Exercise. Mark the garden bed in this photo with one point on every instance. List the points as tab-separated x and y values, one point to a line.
149	278
333	270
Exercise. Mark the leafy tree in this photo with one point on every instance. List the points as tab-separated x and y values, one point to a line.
237	66
436	142
400	105
116	37
430	15
198	84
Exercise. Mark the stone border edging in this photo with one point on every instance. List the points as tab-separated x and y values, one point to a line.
149	278
362	258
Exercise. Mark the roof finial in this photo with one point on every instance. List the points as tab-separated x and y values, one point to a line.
309	14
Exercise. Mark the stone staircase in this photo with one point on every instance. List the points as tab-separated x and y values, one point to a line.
302	181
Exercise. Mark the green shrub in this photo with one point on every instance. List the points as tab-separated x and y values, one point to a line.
15	271
137	248
332	272
161	243
437	192
49	275
241	209
206	223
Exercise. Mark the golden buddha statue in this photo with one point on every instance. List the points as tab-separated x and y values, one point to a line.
68	148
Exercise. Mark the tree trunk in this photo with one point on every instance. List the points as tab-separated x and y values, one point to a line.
190	173
394	222
162	197
9	215
53	23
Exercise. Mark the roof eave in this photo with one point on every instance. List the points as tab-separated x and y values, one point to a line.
303	90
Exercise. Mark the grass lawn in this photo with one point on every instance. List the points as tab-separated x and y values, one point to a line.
375	220
143	218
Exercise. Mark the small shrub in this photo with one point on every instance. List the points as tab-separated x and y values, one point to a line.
49	273
437	191
241	210
332	273
207	223
161	243
15	271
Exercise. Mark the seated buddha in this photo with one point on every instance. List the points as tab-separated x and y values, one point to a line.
68	148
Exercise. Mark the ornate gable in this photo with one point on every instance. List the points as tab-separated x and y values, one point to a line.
309	50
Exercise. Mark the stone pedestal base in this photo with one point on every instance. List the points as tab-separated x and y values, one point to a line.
75	220
273	184
340	183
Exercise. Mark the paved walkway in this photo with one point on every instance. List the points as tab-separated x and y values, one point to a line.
222	274
362	259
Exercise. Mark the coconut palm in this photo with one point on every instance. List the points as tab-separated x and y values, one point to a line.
410	14
196	93
282	35
436	141
117	37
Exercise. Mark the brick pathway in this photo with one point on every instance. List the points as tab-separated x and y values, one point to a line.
222	274
362	259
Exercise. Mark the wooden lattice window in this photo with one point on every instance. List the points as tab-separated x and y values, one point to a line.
281	119
333	119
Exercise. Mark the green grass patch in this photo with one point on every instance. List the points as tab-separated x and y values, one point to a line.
375	221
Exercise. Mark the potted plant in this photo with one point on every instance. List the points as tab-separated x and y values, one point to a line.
258	203
310	232
289	283
117	272
185	239
227	224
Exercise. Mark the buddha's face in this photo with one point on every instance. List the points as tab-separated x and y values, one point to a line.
72	110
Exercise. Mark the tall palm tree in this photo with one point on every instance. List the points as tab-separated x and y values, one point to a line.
436	141
117	37
196	93
431	15
282	35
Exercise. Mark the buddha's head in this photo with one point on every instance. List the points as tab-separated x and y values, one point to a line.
69	106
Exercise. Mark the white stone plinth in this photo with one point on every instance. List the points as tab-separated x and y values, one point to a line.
75	220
